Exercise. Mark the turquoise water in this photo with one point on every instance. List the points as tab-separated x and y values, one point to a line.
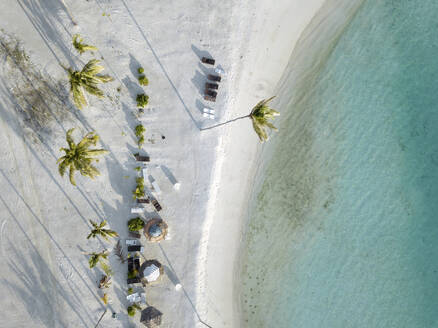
343	231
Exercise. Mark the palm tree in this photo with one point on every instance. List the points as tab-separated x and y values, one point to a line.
100	231
97	257
79	156
81	47
87	79
260	116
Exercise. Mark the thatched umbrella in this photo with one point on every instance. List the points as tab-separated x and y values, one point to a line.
151	317
151	271
155	230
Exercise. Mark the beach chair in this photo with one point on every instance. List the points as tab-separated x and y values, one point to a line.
130	264
136	280
136	248
134	234
143	298
210	92
209	85
140	158
219	71
137	210
207	115
209	61
156	205
143	200
132	242
208	110
215	78
132	298
136	263
210	98
156	187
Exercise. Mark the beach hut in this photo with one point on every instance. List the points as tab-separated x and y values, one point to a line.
151	271
155	230
151	317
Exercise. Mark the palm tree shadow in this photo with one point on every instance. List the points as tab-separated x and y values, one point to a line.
134	65
43	15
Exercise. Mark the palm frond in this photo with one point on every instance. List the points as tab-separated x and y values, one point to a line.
81	47
260	116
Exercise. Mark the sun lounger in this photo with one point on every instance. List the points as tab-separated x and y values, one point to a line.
209	61
137	210
207	115
208	110
136	263
132	242
133	298
143	298
215	78
210	92
156	187
145	172
209	85
136	280
219	71
156	205
130	264
134	234
210	98
140	158
136	248
143	200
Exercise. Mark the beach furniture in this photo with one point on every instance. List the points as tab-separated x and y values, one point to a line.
143	298
133	298
136	263
209	85
219	71
209	61
145	172
143	200
156	187
215	78
132	242
207	115
208	110
130	264
210	92
136	280
140	158
156	205
134	234
137	210
209	98
136	248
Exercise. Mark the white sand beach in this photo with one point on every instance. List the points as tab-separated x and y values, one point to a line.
44	274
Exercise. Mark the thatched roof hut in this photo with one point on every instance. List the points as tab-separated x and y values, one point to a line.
151	317
151	271
155	230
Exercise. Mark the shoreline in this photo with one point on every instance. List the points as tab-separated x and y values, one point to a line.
222	237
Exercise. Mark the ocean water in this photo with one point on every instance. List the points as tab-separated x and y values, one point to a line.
343	229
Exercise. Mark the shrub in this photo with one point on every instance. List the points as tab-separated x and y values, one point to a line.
137	168
130	291
138	192
135	224
143	80
131	311
139	130
132	274
140	70
142	100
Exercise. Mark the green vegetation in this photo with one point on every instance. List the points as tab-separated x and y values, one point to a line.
79	156
96	258
140	70
105	282
135	224
106	268
132	274
139	133
131	309
142	100
143	80
82	47
137	168
100	231
130	291
260	116
139	190
88	80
